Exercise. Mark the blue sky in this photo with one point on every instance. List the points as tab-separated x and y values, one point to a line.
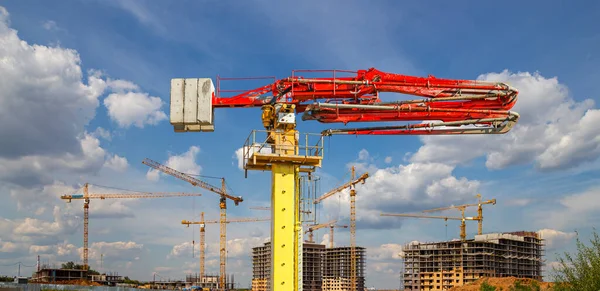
85	98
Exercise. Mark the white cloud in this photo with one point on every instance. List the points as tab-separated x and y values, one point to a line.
184	249
103	133
244	153
122	86
185	163
401	188
363	155
242	247
554	131
133	108
31	231
575	210
50	25
44	105
388	160
114	251
385	252
117	163
236	248
555	239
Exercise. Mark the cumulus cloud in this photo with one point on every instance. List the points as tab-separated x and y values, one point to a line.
115	251
555	131
184	249
236	248
574	210
117	163
401	188
37	232
44	103
185	163
134	108
555	239
385	252
102	133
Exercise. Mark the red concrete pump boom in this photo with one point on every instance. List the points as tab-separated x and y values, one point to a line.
457	106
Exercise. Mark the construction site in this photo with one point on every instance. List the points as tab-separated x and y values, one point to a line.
443	265
291	262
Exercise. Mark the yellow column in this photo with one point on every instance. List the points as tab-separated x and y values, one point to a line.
283	234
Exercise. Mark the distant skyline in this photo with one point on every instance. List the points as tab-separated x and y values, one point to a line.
84	97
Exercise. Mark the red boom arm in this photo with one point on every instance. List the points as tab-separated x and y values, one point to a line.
462	106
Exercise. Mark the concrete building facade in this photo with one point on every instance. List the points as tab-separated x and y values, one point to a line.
323	269
443	265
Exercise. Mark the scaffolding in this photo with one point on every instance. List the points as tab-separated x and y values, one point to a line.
443	265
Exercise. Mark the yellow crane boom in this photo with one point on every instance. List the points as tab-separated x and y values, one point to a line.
222	206
351	184
360	179
314	227
461	207
463	227
86	196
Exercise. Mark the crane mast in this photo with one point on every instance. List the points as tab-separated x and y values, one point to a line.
331	227
479	204
463	231
203	223
86	196
314	227
447	107
353	233
351	184
222	207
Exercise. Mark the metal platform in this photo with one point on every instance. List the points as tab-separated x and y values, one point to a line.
260	155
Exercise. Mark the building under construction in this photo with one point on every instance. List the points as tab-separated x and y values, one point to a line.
337	269
323	269
442	265
209	281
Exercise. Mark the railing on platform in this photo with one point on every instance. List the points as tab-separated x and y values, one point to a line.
309	147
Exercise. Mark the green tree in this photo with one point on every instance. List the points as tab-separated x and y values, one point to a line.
73	266
487	287
579	271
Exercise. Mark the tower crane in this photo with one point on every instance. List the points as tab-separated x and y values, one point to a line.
446	107
353	181
202	224
331	227
463	218
462	207
314	227
222	205
86	197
